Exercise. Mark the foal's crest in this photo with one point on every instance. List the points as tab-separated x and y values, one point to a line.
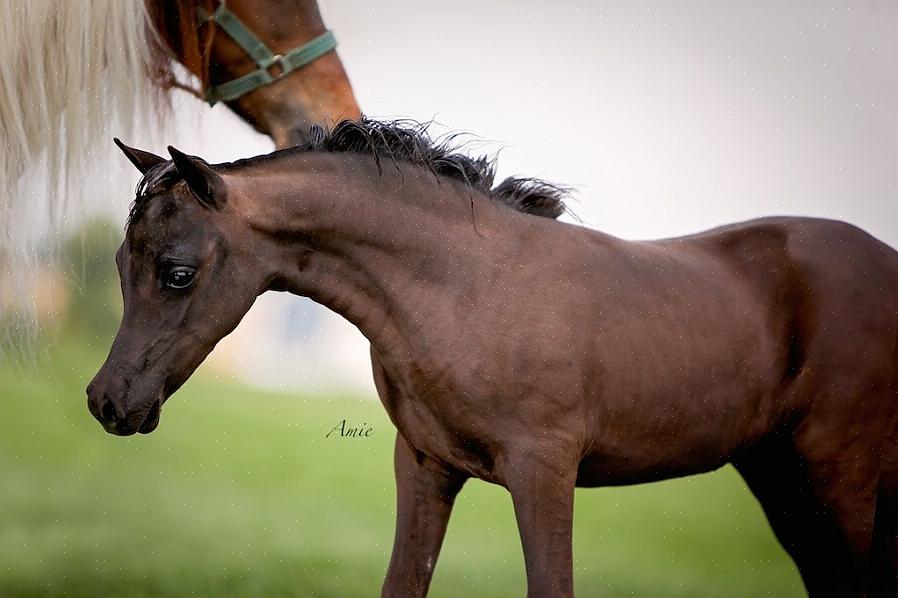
400	142
409	141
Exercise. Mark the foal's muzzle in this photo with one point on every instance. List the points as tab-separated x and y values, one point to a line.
120	421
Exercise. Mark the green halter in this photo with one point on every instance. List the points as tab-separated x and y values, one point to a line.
259	52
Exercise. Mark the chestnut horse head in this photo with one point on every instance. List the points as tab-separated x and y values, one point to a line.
273	63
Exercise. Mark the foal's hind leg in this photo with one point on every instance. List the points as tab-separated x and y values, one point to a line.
843	443
885	533
811	530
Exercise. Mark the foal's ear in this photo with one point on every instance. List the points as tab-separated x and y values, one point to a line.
139	158
205	183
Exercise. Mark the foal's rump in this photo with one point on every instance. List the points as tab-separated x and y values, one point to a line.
826	298
832	292
832	296
741	331
829	284
846	319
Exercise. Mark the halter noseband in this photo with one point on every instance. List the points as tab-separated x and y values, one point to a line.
258	51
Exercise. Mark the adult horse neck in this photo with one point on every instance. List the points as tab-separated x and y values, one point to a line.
536	354
272	62
74	72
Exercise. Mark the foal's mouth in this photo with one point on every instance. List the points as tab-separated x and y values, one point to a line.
152	419
129	427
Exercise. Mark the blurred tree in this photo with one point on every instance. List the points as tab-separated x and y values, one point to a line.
94	304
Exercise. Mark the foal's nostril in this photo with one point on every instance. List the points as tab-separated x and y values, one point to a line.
107	411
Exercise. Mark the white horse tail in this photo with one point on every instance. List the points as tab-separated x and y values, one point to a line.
73	74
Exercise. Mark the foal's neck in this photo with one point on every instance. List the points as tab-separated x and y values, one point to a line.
386	251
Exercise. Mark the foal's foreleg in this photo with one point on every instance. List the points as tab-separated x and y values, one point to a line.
541	482
425	492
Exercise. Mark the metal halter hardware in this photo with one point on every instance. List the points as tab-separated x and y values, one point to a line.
258	51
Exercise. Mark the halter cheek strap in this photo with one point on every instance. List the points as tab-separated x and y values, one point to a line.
261	54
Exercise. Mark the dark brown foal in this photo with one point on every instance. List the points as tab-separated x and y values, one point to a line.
535	354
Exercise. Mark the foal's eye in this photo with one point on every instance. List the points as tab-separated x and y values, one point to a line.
179	277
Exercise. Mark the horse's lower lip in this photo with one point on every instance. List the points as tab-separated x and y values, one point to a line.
118	428
152	419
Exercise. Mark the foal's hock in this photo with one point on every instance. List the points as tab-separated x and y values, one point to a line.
535	354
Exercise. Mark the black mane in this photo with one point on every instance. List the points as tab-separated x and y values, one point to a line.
409	141
399	141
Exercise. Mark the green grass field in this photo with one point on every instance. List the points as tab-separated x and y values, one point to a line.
239	493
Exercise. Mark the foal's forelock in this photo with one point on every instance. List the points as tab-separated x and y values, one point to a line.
158	179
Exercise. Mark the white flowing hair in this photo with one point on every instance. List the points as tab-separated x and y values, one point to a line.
73	73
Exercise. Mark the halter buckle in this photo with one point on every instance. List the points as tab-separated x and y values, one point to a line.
278	66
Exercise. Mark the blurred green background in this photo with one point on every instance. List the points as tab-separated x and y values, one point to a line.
239	493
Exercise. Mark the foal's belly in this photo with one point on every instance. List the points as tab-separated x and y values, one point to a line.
680	394
602	470
652	437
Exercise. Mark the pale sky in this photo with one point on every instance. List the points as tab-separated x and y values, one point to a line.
668	117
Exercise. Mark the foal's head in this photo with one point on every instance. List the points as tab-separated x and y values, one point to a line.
189	272
201	245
